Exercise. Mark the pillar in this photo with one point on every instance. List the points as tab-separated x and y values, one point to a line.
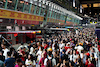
6	4
16	5
30	7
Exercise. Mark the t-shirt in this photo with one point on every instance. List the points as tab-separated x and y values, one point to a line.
31	51
23	58
39	53
30	63
5	52
20	47
10	62
16	66
53	61
91	65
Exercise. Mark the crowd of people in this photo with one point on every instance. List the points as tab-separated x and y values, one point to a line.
70	49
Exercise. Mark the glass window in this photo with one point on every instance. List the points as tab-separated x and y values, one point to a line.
42	11
37	10
27	6
49	14
32	9
11	4
52	14
2	3
59	16
20	5
56	15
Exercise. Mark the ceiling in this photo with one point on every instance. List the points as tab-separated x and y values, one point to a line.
89	1
91	8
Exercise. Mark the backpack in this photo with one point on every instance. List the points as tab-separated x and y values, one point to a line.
49	63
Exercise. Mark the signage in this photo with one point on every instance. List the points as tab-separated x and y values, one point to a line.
19	15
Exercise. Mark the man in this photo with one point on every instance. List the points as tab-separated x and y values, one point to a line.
29	46
2	64
2	58
5	50
9	62
22	45
49	61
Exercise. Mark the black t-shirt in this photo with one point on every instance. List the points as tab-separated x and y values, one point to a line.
64	57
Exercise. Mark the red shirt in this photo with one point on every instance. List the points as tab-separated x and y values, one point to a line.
86	62
66	48
46	46
23	58
91	65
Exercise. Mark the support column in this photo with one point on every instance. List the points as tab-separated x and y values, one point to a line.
43	11
6	4
30	8
47	15
16	5
35	9
14	39
53	15
23	7
50	13
65	19
39	11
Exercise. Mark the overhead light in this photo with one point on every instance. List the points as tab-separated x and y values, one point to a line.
90	12
4	0
9	1
95	13
21	1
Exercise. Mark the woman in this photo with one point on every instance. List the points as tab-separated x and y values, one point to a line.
19	63
30	62
41	62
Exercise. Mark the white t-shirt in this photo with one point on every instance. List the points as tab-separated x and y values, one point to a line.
20	47
70	56
31	51
30	63
82	55
5	52
53	61
61	46
74	57
39	53
53	48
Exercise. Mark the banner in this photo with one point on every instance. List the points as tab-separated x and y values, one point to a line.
19	15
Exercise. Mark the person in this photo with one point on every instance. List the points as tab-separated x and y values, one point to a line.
49	61
30	62
38	54
2	58
33	50
9	62
2	63
23	55
19	63
91	64
5	50
29	46
41	62
22	45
